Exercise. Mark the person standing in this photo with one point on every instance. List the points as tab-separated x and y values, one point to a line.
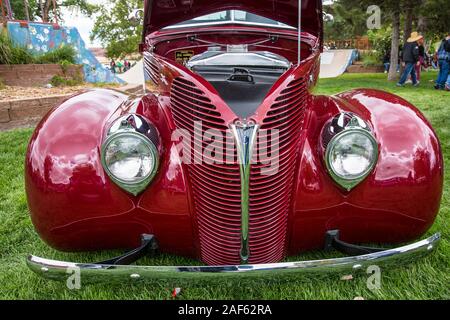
421	59
387	61
120	66
443	56
410	59
112	66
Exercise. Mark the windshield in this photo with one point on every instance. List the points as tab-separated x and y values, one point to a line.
230	16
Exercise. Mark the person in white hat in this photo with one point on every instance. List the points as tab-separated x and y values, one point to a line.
410	58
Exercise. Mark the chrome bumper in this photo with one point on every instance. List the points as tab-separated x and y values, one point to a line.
60	270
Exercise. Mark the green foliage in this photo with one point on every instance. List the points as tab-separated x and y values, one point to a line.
12	54
21	55
350	15
371	59
115	31
35	12
5	49
19	9
437	14
59	81
65	65
64	54
349	21
380	40
66	79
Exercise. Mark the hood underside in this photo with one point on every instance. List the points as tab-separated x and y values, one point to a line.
163	13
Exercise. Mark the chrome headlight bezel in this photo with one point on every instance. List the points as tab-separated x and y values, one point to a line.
349	124
136	127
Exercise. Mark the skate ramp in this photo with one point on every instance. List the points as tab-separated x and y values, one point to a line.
41	38
135	75
333	63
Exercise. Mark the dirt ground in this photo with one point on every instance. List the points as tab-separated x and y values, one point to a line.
15	93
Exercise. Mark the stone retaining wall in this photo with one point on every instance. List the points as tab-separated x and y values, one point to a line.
26	112
30	75
359	68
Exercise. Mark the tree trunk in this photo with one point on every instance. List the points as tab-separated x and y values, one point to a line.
421	20
41	8
409	9
394	44
25	7
421	24
45	10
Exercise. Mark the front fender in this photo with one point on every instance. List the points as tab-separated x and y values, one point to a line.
398	202
64	179
73	203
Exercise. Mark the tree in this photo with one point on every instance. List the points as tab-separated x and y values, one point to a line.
349	20
392	76
114	30
43	9
434	17
409	16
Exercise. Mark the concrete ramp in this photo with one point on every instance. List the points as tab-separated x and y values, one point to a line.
333	63
135	75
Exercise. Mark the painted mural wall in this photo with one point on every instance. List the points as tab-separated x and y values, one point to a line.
41	38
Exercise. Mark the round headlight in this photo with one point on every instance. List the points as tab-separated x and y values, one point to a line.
131	160
351	156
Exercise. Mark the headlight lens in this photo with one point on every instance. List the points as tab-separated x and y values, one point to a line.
131	160
350	156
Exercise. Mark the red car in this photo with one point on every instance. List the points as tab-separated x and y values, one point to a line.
229	157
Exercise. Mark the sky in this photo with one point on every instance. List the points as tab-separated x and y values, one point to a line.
83	23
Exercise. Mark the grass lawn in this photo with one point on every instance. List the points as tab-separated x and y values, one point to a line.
428	278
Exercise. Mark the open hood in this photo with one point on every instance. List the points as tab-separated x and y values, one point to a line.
163	13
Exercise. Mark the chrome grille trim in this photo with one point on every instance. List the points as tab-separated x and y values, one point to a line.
245	134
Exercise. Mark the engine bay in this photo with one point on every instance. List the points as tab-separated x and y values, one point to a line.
241	77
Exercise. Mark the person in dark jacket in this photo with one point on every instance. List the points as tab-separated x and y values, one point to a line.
443	57
410	59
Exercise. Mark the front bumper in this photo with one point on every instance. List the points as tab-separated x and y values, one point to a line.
60	270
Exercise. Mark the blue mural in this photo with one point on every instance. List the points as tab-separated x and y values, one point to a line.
40	38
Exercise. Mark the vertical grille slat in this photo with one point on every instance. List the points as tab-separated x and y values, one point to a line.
153	70
218	221
216	188
268	222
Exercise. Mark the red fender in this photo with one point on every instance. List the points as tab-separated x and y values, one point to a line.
74	205
400	199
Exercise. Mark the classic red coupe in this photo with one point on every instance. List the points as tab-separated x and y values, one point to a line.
229	157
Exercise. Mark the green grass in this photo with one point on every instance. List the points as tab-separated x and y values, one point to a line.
427	278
